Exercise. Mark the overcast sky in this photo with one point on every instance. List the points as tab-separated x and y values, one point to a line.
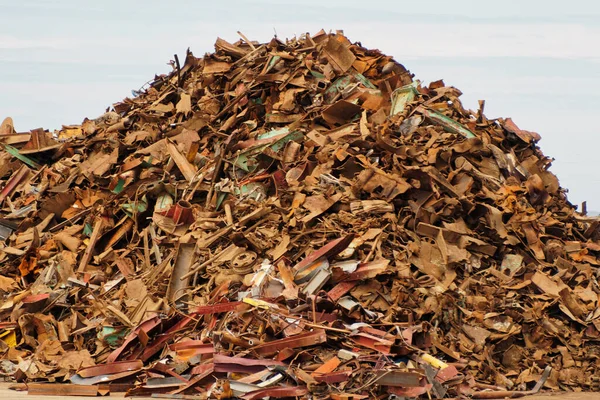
535	61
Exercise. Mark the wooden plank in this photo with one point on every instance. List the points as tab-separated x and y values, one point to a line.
87	256
61	389
187	169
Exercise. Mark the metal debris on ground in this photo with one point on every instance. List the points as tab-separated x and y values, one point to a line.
295	219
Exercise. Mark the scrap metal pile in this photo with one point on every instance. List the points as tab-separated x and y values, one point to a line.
293	219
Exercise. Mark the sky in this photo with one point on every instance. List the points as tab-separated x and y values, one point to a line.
537	61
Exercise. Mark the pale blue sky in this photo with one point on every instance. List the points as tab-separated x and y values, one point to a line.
535	61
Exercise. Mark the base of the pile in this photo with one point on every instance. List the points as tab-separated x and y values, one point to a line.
6	393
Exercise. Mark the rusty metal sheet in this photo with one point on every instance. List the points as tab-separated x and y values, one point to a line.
329	250
112	368
297	341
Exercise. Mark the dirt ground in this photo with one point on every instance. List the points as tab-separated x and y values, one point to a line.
564	396
7	394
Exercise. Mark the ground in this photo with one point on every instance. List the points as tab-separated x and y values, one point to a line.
7	394
565	396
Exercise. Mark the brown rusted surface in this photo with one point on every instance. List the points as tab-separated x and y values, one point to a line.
294	218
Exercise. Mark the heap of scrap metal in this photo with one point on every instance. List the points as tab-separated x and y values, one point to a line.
293	219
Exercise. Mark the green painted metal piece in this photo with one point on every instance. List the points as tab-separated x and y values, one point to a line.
402	96
255	190
135	207
119	187
147	163
244	162
280	144
272	63
87	230
15	153
362	79
336	87
112	336
345	81
447	123
246	159
272	133
317	75
220	199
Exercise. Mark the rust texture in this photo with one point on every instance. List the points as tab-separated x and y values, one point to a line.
296	218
